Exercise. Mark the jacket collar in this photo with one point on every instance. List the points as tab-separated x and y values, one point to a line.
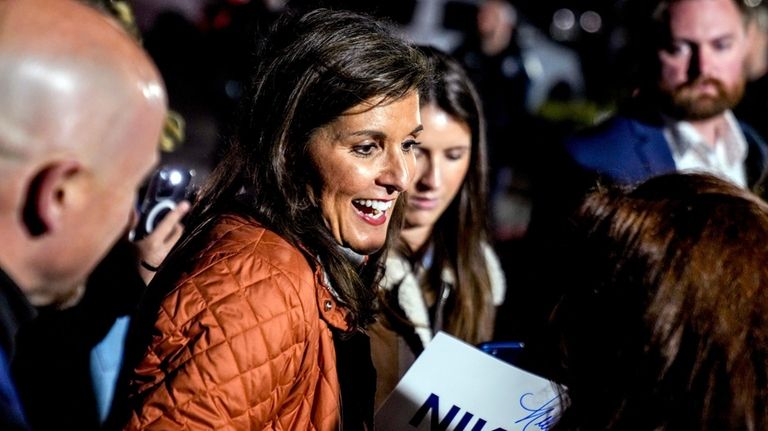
330	305
15	310
652	147
653	150
756	164
328	302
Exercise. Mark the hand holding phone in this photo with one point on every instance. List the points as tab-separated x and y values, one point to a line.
168	186
153	248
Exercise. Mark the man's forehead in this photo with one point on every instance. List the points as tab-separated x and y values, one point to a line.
686	11
712	19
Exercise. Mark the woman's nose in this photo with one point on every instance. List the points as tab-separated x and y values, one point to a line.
397	174
429	175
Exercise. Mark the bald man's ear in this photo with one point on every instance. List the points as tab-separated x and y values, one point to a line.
46	197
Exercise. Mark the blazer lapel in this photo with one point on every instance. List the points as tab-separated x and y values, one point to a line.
652	149
756	164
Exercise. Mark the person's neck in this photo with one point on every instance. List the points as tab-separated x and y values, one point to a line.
22	260
353	256
711	128
416	237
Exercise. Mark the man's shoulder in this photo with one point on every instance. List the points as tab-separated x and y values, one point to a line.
750	133
624	148
619	125
616	134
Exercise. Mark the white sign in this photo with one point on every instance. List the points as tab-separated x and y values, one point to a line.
454	386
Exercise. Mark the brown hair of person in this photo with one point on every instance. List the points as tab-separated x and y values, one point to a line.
665	322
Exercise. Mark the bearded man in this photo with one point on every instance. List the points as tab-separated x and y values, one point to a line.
680	118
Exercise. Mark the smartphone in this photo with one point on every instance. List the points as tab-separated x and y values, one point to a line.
508	351
167	186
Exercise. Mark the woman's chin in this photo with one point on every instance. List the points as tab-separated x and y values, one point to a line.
366	248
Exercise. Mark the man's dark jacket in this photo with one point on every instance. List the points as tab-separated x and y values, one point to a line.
15	310
627	149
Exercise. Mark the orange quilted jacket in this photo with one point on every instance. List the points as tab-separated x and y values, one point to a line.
243	341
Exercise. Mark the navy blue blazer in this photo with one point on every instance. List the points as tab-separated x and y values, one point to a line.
628	150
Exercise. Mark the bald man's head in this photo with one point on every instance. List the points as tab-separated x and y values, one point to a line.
63	63
81	109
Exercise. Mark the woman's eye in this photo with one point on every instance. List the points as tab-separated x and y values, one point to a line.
410	145
364	149
455	154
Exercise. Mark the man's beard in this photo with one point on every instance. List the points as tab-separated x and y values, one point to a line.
686	103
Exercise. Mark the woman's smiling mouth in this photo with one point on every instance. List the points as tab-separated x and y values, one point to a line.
372	211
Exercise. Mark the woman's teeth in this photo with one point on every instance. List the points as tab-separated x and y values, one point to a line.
378	207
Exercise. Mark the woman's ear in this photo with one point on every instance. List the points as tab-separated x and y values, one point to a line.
47	196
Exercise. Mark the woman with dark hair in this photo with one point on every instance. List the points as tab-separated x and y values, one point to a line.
255	321
443	275
664	324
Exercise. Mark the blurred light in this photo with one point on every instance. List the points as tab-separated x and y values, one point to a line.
563	19
233	89
533	67
175	177
591	21
222	20
753	3
275	5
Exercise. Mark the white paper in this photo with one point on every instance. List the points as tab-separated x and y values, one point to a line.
454	386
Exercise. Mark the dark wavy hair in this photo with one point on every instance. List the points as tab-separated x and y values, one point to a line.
665	323
311	69
461	232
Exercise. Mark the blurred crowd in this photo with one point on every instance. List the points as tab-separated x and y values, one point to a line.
544	72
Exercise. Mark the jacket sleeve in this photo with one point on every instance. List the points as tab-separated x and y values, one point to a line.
233	338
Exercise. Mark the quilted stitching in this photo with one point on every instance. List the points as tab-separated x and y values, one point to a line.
240	342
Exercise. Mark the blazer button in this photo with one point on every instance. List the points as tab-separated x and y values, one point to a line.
328	305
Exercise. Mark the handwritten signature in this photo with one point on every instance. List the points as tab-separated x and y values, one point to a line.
541	417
